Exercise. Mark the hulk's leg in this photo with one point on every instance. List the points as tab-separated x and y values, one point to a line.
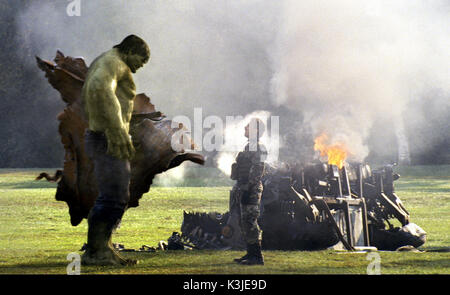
113	177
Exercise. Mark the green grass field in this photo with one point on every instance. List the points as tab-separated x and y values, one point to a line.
36	235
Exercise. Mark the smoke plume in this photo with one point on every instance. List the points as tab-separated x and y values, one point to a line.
346	64
341	66
235	140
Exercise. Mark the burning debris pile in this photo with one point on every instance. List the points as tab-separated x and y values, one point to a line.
316	206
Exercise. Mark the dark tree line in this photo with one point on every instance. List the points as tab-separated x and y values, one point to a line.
28	109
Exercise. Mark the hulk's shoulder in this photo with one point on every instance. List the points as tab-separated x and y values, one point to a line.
109	59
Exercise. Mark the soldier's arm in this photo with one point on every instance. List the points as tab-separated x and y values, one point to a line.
256	171
104	109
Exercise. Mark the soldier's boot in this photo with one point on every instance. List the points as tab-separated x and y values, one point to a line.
100	250
239	260
246	256
255	256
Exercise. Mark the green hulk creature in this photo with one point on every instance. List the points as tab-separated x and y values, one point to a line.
248	171
107	98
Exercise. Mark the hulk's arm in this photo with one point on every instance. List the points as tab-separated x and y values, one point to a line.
103	107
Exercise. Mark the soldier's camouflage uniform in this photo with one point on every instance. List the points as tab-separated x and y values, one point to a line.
246	193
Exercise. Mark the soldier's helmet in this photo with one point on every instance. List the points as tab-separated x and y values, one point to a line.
255	125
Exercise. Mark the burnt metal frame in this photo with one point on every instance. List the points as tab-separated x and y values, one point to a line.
343	202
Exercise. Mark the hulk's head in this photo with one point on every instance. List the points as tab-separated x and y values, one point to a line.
135	51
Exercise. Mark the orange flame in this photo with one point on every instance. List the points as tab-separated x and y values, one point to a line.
336	153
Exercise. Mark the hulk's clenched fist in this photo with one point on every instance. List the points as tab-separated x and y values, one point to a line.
108	94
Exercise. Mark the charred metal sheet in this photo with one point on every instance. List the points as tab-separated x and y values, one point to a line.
151	134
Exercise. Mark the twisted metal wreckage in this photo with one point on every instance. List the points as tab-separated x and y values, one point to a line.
310	207
316	207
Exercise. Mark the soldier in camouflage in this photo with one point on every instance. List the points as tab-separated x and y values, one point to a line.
248	171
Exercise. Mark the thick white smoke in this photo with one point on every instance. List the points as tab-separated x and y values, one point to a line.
235	140
204	53
342	65
348	63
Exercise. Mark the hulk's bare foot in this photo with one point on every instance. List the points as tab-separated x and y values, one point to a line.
105	257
